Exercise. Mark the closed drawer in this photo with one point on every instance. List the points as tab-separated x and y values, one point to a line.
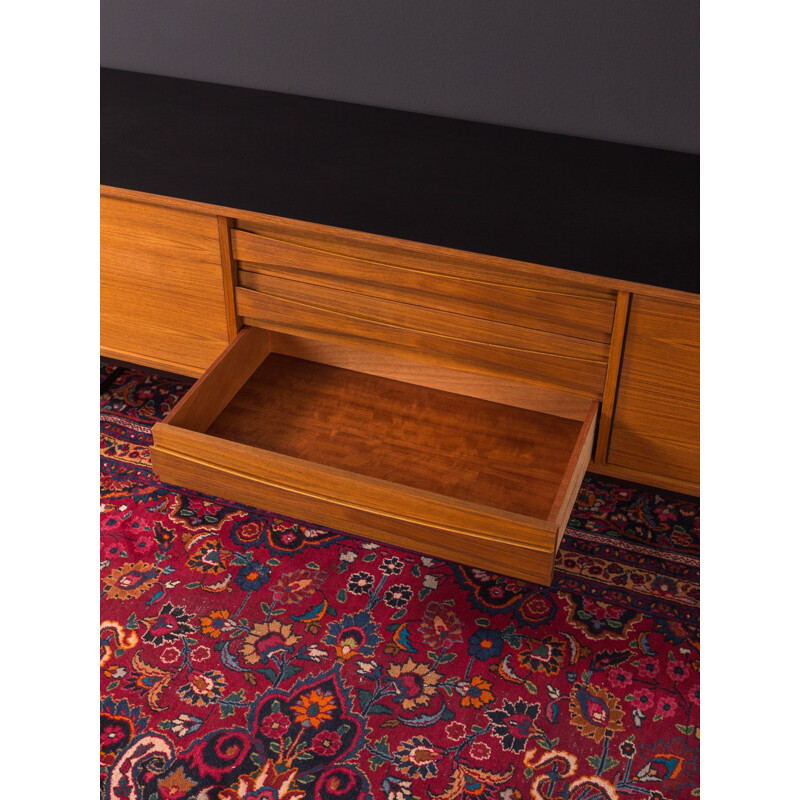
459	311
656	427
161	293
456	476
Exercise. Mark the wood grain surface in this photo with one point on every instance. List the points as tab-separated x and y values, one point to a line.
573	473
582	372
656	428
391	250
530	557
468	288
161	292
412	370
455	476
391	500
644	478
169	300
230	276
465	311
398	312
612	376
207	398
440	442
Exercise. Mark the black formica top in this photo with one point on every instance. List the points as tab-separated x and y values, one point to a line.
620	211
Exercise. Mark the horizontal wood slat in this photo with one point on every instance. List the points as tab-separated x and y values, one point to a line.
485	294
585	376
416	318
442	260
649	478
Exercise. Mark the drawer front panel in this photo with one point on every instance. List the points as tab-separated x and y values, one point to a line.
582	375
393	501
656	427
486	552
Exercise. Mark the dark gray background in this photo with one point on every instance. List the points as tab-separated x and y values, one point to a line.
621	70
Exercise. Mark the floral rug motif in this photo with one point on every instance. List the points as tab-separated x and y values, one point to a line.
246	655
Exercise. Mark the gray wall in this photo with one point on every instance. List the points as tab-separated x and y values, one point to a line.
622	70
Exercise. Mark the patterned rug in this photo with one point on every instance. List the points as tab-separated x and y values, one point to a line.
248	655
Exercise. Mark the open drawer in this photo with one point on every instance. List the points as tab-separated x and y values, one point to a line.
449	473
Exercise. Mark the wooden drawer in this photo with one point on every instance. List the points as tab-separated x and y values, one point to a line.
454	474
463	310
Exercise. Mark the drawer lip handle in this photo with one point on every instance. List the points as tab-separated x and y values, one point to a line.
252	294
340	502
237	232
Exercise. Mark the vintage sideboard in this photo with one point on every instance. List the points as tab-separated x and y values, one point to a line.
412	328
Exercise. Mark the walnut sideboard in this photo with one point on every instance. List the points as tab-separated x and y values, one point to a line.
428	396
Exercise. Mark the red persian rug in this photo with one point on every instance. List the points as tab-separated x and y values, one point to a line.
247	655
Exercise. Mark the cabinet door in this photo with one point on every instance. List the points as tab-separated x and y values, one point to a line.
161	287
656	426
